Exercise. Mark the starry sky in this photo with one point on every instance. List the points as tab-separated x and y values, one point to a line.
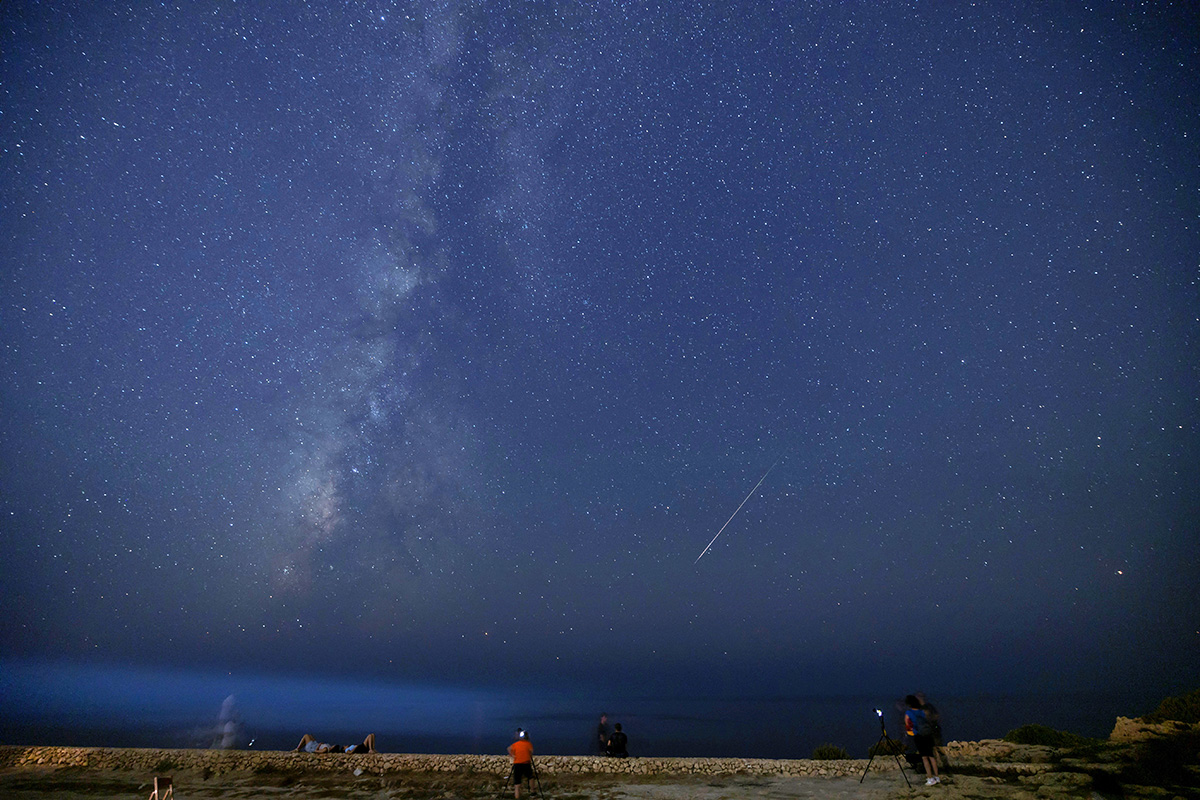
434	341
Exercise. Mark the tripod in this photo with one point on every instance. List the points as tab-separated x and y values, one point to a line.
884	742
534	783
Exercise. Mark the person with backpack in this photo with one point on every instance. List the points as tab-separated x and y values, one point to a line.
917	723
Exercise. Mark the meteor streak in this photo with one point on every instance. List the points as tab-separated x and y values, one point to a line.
735	513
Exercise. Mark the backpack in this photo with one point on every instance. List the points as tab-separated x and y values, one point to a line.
921	724
935	721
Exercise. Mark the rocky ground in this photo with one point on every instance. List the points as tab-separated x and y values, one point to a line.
1136	761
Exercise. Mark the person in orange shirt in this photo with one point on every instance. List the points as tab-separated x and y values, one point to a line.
522	755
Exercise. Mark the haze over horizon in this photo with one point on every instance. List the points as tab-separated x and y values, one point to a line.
430	343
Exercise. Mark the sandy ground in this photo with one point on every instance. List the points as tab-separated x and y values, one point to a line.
29	784
68	784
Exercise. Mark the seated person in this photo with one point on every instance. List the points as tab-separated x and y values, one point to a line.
310	745
617	743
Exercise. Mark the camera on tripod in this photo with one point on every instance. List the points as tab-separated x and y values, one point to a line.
884	745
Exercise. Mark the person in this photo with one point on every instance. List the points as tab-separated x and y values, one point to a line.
617	743
602	735
918	725
521	752
309	744
229	726
935	722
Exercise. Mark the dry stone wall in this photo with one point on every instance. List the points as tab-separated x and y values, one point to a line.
217	762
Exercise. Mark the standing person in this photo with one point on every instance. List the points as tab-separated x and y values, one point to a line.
922	733
521	752
935	722
229	726
601	740
617	743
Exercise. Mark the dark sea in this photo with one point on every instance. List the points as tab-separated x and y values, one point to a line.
120	707
767	728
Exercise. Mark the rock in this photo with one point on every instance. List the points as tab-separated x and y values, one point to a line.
1138	730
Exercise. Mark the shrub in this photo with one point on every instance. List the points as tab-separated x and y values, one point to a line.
1181	708
829	752
1041	734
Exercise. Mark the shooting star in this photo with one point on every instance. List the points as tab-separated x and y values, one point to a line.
735	513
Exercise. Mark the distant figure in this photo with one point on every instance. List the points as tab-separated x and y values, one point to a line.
229	726
935	721
917	724
521	752
616	745
601	740
310	745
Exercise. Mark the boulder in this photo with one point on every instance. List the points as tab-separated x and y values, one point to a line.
1128	731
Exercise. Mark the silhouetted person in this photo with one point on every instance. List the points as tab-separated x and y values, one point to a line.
616	745
935	722
601	740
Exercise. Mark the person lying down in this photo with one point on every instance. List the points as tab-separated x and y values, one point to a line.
308	744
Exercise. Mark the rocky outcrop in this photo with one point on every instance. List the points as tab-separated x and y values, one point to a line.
998	751
1128	731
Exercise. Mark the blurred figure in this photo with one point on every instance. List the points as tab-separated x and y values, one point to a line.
229	726
917	724
601	740
935	721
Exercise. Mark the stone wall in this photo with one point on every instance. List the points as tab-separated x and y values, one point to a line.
216	762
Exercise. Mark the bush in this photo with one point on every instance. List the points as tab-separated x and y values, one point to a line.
1183	708
829	752
1041	734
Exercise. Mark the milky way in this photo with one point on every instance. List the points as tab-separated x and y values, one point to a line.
433	339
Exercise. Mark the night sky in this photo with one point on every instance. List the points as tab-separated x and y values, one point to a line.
432	342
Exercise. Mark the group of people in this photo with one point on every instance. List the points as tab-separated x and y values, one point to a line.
615	744
923	723
309	744
521	751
